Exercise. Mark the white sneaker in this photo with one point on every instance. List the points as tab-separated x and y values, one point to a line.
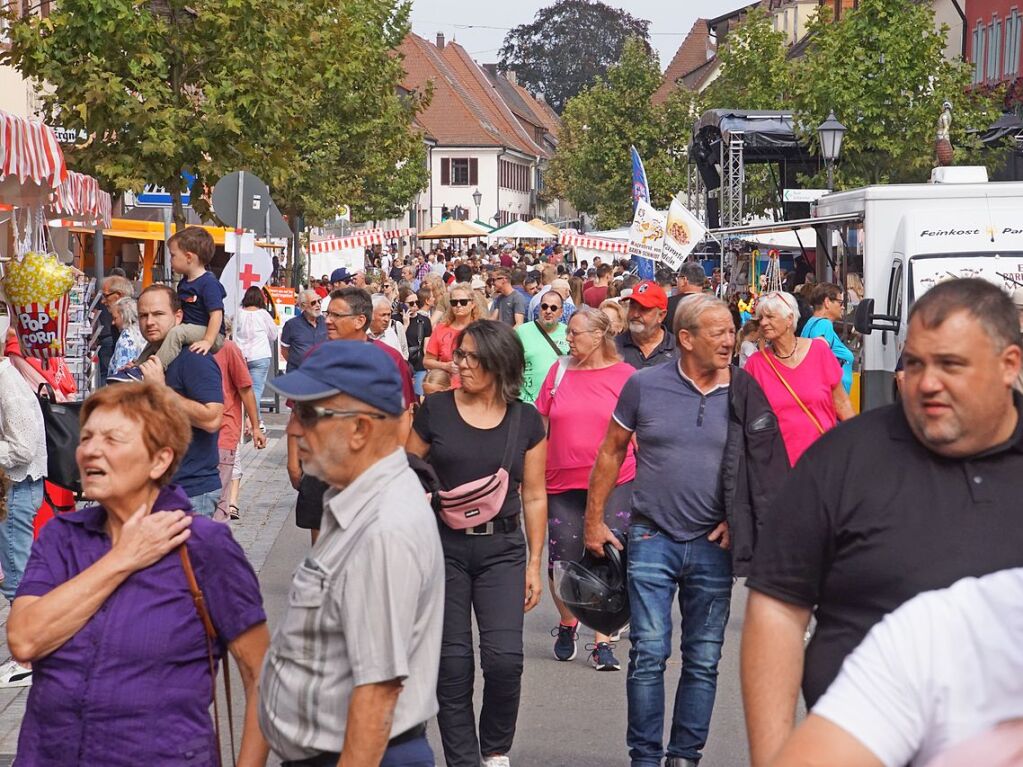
13	674
496	761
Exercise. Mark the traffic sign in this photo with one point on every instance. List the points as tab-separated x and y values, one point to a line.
155	196
258	211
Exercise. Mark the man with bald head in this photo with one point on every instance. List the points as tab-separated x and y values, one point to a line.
303	331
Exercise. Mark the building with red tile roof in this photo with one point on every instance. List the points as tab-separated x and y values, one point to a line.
491	136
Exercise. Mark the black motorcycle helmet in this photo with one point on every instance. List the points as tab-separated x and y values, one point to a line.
595	589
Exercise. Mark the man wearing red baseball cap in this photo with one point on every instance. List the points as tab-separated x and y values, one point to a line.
645	343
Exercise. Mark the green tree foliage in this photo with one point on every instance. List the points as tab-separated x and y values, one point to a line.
592	168
755	74
755	71
568	46
882	70
304	94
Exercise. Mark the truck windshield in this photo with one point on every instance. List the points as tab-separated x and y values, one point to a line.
928	270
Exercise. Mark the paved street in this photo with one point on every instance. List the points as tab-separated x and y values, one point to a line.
571	715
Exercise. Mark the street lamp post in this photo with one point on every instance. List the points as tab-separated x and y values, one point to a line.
477	197
830	134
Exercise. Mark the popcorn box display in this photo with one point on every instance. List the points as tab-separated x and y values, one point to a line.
36	288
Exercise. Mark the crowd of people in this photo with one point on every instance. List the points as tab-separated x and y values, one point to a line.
455	420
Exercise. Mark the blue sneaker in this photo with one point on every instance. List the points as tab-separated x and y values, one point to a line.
603	658
564	646
125	376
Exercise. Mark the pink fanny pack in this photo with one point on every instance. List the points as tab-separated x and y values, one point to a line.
479	501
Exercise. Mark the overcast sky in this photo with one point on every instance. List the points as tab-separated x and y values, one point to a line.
480	28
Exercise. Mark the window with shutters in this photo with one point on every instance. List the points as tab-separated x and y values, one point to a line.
1013	32
978	53
994	48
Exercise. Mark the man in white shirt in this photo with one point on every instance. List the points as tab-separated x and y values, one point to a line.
23	459
384	329
943	668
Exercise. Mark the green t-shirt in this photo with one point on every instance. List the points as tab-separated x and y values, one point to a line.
539	356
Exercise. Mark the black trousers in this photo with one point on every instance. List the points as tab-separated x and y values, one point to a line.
485	575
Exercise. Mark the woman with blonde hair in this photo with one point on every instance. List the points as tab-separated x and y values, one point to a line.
576	400
800	376
439	291
616	313
463	309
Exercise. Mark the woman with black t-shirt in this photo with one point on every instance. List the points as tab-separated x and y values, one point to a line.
491	569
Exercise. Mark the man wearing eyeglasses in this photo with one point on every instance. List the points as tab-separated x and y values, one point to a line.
302	332
113	289
351	674
348	318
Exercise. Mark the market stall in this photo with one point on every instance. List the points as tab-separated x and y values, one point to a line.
349	252
605	245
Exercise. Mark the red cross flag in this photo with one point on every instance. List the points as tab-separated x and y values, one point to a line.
243	271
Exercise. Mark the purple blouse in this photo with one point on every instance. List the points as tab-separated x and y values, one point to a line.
132	687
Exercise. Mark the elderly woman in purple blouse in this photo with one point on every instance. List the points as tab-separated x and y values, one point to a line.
105	616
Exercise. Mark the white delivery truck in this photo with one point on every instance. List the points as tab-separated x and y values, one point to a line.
902	239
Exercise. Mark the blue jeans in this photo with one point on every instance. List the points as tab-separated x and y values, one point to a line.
701	572
205	504
23	501
417	382
259	369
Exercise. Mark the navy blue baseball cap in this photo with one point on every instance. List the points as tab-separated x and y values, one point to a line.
340	275
356	368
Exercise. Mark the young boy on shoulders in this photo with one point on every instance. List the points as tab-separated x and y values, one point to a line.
202	299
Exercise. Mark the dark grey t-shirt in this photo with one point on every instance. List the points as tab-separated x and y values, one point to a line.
510	305
681	435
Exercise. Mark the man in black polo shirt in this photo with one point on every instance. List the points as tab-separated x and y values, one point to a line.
904	499
646	343
689	282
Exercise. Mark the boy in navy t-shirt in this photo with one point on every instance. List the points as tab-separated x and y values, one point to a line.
202	299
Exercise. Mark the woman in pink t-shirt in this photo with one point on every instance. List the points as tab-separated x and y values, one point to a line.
578	409
800	376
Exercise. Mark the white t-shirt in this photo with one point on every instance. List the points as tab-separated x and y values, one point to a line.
947	665
254	331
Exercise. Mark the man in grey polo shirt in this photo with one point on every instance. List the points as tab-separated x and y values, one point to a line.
703	477
351	673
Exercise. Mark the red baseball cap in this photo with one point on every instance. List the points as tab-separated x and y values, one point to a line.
650	295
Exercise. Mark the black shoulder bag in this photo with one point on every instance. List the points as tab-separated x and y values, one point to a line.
547	338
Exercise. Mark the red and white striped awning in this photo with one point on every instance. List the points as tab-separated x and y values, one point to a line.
359	240
29	152
572	239
80	197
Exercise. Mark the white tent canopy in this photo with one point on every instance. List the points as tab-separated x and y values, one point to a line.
520	230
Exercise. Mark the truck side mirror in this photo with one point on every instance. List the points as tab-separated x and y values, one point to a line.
865	321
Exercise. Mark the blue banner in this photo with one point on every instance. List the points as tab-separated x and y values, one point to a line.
643	267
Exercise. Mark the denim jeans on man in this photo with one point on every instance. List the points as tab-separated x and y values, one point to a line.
205	504
701	572
23	501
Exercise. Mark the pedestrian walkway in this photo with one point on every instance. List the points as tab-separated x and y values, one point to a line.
266	501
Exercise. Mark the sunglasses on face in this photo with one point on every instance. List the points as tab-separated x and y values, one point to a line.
412	303
308	415
461	301
550	307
